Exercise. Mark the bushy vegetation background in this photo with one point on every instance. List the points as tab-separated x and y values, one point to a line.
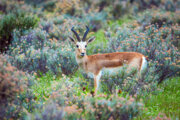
40	79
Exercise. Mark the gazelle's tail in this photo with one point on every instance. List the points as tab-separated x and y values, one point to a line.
144	64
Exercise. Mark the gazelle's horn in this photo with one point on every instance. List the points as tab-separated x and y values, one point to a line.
77	36
85	34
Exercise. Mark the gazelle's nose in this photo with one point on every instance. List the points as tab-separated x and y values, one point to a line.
82	54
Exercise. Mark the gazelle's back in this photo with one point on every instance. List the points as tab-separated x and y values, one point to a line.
117	59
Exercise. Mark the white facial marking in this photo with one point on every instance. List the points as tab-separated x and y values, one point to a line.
81	44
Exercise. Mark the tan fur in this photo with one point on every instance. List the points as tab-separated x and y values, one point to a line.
94	63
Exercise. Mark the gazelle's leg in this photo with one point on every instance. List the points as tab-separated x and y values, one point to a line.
96	81
95	85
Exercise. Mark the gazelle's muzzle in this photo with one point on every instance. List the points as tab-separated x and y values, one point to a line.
82	54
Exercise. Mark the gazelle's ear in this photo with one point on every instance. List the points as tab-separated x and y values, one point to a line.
71	39
91	39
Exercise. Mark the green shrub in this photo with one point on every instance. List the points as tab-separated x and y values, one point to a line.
58	27
50	112
28	98
120	9
153	40
13	82
34	52
8	6
49	6
35	2
112	108
169	6
69	102
161	18
8	23
95	20
155	43
17	99
130	83
157	17
143	4
71	7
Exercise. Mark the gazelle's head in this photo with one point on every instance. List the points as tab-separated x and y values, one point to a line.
81	44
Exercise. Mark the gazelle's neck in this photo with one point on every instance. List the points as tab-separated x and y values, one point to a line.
81	60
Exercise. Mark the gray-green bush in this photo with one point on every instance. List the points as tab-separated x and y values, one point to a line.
34	52
70	103
13	83
13	21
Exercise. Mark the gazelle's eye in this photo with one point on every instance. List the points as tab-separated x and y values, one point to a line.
85	46
77	46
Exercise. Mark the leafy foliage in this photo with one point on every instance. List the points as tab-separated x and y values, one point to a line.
39	54
57	90
8	23
12	84
72	104
156	43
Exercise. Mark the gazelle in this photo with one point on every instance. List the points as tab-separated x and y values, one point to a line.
96	63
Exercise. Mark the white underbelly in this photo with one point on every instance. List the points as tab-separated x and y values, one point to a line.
108	71
112	71
91	75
